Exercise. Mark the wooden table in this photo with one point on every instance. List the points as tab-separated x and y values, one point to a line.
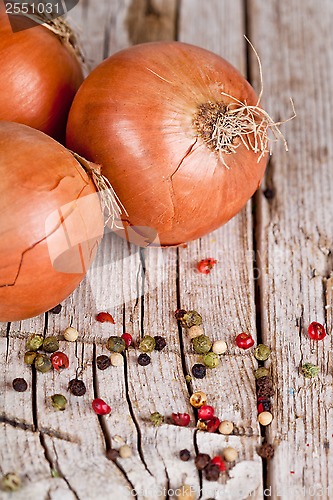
273	277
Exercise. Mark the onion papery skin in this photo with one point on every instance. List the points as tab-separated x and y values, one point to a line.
134	115
51	222
39	76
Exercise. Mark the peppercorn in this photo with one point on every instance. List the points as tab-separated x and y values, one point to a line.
211	360
42	363
71	334
212	472
199	370
188	379
103	362
112	454
56	309
156	418
144	359
116	344
29	357
265	418
10	482
198	399
310	370
191	318
160	343
179	313
34	342
50	344
20	385
125	451
202	344
262	352
116	359
219	347
266	451
184	455
264	381
261	372
147	344
201	425
59	402
265	391
77	387
201	460
230	454
226	427
195	331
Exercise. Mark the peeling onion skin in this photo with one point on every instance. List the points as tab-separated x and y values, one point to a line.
134	116
50	222
39	77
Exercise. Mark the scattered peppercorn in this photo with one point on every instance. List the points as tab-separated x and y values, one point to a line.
103	362
116	344
219	462
156	418
201	425
100	407
195	331
226	427
125	451
144	359
181	419
206	412
198	399
116	359
29	357
59	402
201	460
213	424
219	347
147	344
262	352
310	370
265	418
316	331
128	339
59	360
20	385
244	340
77	387
202	344
264	381
71	334
199	370
206	265
179	313
10	482
34	342
269	194
230	454
112	454
266	451
160	343
42	363
50	344
56	309
184	455
211	360
188	379
265	391
103	317
191	318
261	372
212	472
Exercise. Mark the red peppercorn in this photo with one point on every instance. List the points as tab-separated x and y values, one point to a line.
316	331
181	419
206	265
100	407
244	341
103	317
213	424
128	339
59	360
218	461
206	412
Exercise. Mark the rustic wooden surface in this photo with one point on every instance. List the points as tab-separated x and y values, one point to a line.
273	277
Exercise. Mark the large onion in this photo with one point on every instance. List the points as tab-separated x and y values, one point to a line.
39	75
178	133
50	222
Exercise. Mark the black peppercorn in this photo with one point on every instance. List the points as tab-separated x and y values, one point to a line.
144	359
77	387
179	313
269	194
184	455
103	362
265	392
112	454
201	460
267	381
212	472
266	451
20	385
160	343
56	309
199	370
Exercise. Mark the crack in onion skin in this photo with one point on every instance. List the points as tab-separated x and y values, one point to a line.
39	76
51	222
135	116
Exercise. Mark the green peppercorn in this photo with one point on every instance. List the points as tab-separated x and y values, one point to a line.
261	372
147	344
211	360
191	318
10	482
262	352
42	363
156	418
116	344
51	344
309	370
202	344
59	402
29	357
34	342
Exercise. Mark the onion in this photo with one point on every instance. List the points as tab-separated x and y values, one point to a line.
50	222
39	73
178	132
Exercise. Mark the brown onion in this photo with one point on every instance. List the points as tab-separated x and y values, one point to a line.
151	116
50	222
39	75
